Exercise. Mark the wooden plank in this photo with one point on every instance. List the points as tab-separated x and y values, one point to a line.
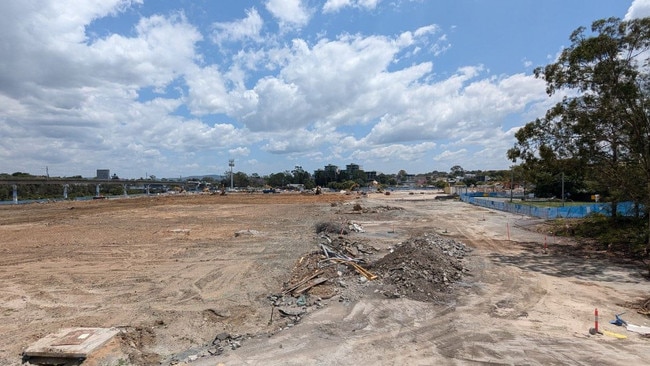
309	285
304	280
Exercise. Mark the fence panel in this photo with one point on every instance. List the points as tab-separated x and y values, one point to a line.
480	199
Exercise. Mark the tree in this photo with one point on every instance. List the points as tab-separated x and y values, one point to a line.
601	130
256	180
279	179
240	179
456	171
401	175
300	176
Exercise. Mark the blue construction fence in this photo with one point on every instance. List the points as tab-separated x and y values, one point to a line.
501	203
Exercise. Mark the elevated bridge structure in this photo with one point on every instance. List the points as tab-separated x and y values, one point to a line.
67	182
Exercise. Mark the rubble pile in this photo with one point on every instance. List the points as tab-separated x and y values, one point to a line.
357	208
349	247
331	228
225	341
422	268
307	270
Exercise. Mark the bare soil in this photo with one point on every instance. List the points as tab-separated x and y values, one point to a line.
204	280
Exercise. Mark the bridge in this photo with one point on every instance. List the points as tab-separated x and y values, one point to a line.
66	182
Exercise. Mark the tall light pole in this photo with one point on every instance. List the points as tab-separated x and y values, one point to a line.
562	189
512	181
231	164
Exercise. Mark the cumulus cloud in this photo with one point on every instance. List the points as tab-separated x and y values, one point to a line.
333	6
298	140
239	30
239	151
290	13
456	107
154	95
638	9
393	152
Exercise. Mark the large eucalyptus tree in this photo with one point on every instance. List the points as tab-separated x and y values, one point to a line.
601	128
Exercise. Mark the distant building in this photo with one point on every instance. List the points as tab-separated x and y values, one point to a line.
103	174
352	168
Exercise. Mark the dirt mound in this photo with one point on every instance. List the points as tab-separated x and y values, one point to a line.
422	268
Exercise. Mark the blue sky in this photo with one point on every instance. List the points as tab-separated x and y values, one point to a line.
177	88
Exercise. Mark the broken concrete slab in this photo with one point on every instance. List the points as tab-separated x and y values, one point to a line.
76	343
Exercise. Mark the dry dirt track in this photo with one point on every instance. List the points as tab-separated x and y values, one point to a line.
172	274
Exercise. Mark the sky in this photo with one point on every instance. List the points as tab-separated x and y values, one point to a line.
178	88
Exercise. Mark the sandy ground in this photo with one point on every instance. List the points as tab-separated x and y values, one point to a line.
172	273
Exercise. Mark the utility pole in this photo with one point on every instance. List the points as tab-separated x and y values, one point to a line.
512	182
562	189
231	164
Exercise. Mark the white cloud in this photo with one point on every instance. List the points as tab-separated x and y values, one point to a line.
146	59
455	107
207	91
638	9
429	29
393	152
368	4
124	97
451	156
240	30
333	6
290	13
239	151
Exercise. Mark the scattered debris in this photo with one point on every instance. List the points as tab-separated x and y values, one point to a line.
355	227
331	228
645	331
422	268
246	232
618	321
641	306
225	341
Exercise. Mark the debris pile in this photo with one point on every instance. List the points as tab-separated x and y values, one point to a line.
422	268
331	228
338	228
225	341
349	247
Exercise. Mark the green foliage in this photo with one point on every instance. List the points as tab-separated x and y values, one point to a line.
278	179
626	235
346	186
440	184
600	135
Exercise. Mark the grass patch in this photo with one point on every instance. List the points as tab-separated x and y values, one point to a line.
626	235
552	203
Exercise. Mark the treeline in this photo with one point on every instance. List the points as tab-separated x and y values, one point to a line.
287	179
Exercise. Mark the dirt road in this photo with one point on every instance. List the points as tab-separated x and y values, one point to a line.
174	272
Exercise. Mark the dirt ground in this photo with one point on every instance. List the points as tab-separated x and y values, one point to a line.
202	280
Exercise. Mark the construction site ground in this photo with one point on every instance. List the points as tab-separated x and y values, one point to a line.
200	279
